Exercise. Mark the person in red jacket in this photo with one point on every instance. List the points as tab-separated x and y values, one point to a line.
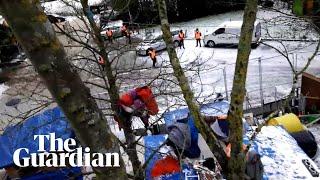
138	102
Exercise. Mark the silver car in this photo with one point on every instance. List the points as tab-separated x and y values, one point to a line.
155	42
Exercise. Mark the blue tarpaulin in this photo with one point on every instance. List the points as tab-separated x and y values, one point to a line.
280	154
59	174
212	109
153	142
22	135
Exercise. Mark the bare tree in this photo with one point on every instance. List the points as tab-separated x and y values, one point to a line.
188	95
236	163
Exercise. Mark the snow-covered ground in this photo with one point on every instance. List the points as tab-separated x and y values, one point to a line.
3	88
280	155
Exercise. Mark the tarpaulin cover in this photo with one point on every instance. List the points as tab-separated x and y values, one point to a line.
212	109
59	174
280	154
22	135
152	143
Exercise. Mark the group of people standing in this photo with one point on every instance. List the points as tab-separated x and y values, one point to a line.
152	52
125	32
197	36
181	37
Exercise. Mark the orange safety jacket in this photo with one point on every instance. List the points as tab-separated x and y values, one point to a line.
152	53
181	36
109	33
197	35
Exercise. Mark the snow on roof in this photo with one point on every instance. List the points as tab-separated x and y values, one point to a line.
234	24
280	155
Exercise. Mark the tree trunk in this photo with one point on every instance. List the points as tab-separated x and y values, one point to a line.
113	92
35	33
194	108
236	163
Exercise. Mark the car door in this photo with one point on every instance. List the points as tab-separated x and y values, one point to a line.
232	35
219	36
158	43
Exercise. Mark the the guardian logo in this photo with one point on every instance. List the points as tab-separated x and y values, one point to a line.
65	154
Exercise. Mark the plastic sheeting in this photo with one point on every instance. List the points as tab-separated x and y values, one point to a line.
280	154
22	135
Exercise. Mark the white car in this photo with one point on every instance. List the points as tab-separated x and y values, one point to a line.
155	42
229	33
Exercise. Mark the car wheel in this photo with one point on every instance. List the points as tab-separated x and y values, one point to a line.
211	44
176	43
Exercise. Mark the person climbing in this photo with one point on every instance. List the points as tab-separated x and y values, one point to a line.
181	36
152	54
197	36
109	34
138	102
101	62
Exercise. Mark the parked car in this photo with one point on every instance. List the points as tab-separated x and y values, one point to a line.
155	42
229	33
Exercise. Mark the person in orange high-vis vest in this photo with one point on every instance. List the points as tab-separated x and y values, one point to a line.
101	62
197	35
109	34
181	39
152	54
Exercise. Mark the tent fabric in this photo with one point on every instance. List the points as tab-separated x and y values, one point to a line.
61	174
22	135
151	144
307	142
280	154
290	122
167	165
210	109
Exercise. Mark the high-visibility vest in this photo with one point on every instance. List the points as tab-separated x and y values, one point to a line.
123	28
152	53
109	33
197	35
181	36
101	60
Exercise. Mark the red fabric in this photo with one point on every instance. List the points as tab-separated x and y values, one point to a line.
126	99
168	165
145	94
